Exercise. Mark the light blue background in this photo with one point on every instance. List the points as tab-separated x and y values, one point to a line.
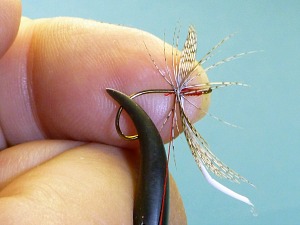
266	151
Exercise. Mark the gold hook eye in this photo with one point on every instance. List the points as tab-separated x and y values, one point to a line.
117	121
117	124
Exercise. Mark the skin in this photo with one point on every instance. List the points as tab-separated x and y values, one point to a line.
62	161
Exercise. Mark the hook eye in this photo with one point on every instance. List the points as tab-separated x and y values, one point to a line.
117	124
117	120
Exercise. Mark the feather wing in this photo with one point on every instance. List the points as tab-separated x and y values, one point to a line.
203	155
187	57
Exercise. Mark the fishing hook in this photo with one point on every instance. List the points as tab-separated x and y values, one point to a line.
145	92
151	204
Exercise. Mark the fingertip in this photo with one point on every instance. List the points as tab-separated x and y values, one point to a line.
10	15
75	61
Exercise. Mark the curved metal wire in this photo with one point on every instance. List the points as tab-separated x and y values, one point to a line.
150	91
117	121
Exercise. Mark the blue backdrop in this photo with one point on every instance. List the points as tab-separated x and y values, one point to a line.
266	151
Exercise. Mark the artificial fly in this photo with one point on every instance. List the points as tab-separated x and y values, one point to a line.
182	80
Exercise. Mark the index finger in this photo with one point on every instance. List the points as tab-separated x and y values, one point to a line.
54	78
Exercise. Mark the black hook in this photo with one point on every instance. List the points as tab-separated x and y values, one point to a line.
151	203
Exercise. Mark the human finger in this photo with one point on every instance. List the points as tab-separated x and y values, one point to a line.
54	78
84	184
10	14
